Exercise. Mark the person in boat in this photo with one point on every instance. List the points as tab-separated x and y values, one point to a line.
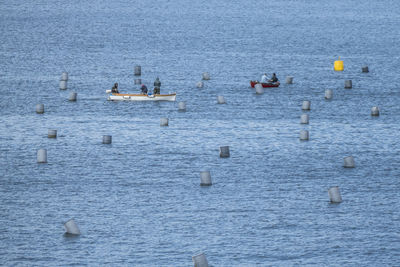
157	86
114	89
264	78
144	89
273	79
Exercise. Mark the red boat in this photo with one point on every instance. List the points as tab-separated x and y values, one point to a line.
265	85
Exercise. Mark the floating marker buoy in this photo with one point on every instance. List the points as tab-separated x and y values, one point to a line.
72	96
40	108
107	139
221	99
200	260
64	76
306	105
259	89
348	84
349	162
205	178
138	70
182	106
52	134
365	69
42	156
289	79
334	194
338	65
63	85
375	111
328	94
164	122
138	81
304	136
71	228
206	76
304	118
199	85
224	152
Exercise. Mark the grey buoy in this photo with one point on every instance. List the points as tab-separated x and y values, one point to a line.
138	81
199	85
304	119
63	85
221	99
334	194
306	105
107	139
164	122
40	108
365	69
72	96
71	228
206	76
224	152
374	111
138	70
328	94
304	136
289	79
348	84
182	106
52	134
259	89
200	260
205	178
42	155
64	76
349	162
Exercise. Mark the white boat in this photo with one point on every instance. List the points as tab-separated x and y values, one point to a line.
140	97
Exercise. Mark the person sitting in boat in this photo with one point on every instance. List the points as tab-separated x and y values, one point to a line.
264	78
144	89
273	79
114	89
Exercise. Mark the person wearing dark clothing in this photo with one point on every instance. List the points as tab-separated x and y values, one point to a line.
273	79
157	86
114	89
144	89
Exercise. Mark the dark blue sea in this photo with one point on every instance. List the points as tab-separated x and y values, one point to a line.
138	201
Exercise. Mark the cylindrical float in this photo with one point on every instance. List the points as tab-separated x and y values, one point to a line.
63	85
71	228
138	81
365	69
164	122
338	65
374	111
304	119
72	96
348	162
205	178
224	152
289	79
306	105
328	94
221	99
304	136
40	108
138	70
206	76
348	84
334	194
42	156
52	134
64	76
107	139
199	85
182	106
200	260
259	89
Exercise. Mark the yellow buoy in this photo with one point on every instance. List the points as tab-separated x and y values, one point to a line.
338	66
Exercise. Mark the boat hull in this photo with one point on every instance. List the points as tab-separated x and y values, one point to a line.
265	85
140	97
